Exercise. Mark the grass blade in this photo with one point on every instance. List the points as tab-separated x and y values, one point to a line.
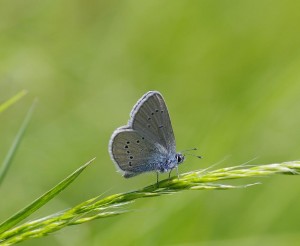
8	158
25	212
97	208
12	100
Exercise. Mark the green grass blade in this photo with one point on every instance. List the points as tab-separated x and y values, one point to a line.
8	158
113	205
12	100
25	212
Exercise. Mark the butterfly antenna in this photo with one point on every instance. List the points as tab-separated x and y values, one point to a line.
186	150
192	149
198	156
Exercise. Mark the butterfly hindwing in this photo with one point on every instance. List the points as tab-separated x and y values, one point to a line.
133	153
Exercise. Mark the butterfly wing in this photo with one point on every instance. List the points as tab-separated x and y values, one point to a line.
150	117
133	154
147	142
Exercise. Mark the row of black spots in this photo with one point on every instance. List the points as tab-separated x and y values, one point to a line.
128	142
149	118
156	110
130	163
152	113
126	145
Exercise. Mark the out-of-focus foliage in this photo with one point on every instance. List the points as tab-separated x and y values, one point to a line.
229	72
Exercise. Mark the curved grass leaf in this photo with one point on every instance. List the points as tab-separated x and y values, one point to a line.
112	205
25	212
10	154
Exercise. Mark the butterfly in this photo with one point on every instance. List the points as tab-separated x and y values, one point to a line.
147	142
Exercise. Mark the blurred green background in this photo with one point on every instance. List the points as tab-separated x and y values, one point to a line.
229	72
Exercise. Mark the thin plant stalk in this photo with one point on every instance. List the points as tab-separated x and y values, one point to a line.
117	204
12	100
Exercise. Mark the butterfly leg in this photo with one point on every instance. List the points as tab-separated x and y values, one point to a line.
170	173
177	172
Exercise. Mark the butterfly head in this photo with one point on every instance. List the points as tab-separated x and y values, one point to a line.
179	157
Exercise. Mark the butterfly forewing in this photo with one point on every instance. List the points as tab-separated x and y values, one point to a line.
150	117
133	154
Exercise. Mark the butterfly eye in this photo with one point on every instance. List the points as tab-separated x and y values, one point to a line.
179	158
